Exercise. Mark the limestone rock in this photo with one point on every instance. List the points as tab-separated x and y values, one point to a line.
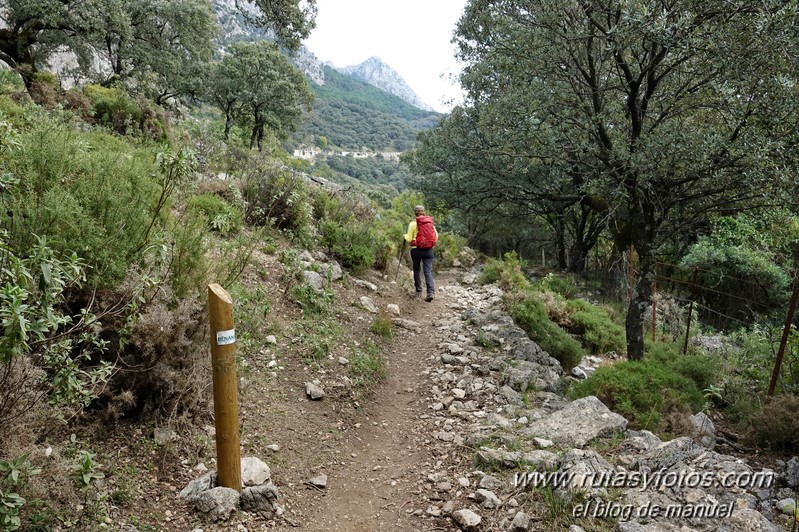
259	499
703	431
198	485
408	324
254	472
219	503
578	423
314	391
487	499
365	284
320	481
521	522
369	304
467	520
791	472
314	280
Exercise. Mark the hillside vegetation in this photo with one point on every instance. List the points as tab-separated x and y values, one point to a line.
663	231
108	243
351	114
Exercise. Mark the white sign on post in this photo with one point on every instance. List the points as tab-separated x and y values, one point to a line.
226	337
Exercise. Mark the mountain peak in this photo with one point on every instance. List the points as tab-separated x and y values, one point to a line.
377	73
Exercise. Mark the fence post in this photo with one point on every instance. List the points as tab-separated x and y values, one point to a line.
688	327
690	311
226	400
654	300
785	331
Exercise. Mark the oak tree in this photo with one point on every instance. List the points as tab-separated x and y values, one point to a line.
658	112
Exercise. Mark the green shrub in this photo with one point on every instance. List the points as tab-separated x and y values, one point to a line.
744	259
600	333
529	314
188	266
86	470
276	197
14	475
702	369
383	326
351	231
10	81
353	244
367	365
317	338
448	248
15	113
311	301
565	286
743	380
774	425
220	215
92	194
252	309
112	107
507	273
648	393
34	313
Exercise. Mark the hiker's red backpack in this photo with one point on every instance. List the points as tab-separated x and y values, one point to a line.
425	232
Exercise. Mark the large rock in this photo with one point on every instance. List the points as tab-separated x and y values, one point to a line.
259	499
582	472
408	324
703	430
681	473
578	423
314	391
254	472
369	304
526	374
217	502
540	460
314	280
467	520
331	270
199	485
790	473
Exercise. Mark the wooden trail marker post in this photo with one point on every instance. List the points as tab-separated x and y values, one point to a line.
226	395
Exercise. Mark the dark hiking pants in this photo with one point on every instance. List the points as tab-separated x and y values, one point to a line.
423	260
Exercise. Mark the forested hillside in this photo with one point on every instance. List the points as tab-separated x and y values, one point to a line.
351	114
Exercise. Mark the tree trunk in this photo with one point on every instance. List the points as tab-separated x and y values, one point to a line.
16	50
560	240
260	137
640	302
579	256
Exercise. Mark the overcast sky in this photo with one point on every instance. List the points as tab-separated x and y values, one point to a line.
411	36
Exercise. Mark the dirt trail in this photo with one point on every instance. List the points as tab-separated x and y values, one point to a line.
376	483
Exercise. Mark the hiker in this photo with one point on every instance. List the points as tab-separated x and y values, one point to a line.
422	236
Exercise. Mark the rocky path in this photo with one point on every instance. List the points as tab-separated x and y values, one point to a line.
468	402
376	484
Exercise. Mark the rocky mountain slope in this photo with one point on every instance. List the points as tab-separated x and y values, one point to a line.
375	72
234	27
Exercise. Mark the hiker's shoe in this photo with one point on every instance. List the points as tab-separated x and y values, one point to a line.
429	298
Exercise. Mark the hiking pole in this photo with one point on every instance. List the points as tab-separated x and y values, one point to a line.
399	259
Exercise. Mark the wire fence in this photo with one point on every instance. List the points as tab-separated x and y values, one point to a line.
688	299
